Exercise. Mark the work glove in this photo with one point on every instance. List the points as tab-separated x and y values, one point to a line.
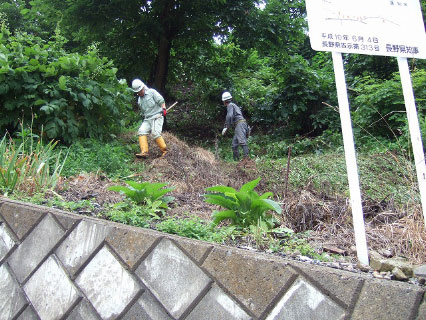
224	131
164	112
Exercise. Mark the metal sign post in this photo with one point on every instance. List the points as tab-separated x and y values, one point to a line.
379	27
351	166
415	133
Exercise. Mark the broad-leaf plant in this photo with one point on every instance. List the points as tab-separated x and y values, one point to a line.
245	207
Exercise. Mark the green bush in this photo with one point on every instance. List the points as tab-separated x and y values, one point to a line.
67	94
245	207
379	106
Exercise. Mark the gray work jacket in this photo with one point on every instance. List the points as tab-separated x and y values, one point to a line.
150	103
233	115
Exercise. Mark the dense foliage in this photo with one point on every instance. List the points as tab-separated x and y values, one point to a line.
60	65
191	51
379	106
69	95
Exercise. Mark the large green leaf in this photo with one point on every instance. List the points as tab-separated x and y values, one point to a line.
218	216
274	205
157	194
244	201
62	82
266	195
220	200
249	186
128	192
221	189
136	185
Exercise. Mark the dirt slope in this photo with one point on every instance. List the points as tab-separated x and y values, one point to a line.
191	169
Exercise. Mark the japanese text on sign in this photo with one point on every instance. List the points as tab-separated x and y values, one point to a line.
379	27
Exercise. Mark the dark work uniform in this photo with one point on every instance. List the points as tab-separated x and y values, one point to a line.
235	117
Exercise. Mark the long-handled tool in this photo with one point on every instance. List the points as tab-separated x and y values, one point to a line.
171	106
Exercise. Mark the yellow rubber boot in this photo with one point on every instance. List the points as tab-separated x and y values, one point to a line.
143	144
162	145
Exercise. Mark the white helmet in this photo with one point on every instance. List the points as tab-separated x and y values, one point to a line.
137	85
226	96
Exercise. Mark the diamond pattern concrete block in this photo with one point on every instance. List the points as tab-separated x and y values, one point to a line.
217	305
195	249
107	285
28	314
146	308
304	301
342	285
253	279
35	247
172	277
21	218
421	315
6	241
68	220
81	242
394	299
83	311
131	244
50	290
12	299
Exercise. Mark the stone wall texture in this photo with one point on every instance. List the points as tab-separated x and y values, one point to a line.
58	265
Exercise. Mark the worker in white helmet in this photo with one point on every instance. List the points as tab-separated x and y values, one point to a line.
153	109
235	117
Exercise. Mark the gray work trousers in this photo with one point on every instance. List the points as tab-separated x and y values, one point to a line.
240	139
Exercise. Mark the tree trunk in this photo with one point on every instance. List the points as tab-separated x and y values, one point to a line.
162	64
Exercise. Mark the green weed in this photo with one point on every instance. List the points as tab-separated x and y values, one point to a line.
146	193
244	207
92	155
195	228
133	215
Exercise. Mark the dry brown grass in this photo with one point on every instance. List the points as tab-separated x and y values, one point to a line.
192	169
405	237
331	221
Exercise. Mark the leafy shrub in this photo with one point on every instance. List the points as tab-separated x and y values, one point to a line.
294	97
379	106
244	207
146	193
69	94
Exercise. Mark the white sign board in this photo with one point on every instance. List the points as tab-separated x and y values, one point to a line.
373	27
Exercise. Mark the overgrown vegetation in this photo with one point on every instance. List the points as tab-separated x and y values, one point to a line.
65	95
64	72
28	164
112	158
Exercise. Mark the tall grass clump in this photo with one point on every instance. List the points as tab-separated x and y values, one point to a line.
27	165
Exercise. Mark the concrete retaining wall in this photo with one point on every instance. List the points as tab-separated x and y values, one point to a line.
57	265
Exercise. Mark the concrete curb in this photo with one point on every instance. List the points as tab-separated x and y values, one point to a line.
59	265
